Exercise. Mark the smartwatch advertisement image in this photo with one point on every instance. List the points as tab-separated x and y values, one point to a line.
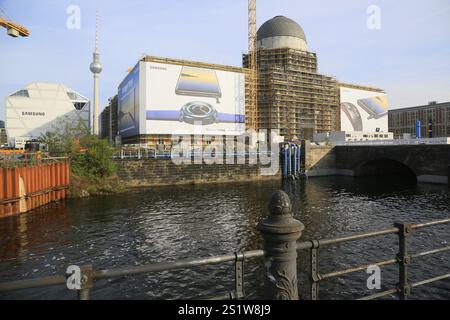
363	110
164	98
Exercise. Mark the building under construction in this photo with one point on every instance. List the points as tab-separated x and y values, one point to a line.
292	96
162	95
162	98
108	121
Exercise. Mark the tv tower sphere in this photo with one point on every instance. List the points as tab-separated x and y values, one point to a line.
96	67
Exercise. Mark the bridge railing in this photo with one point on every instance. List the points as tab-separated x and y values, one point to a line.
141	153
148	153
396	142
280	232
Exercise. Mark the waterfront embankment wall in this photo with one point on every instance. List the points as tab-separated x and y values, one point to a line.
159	172
320	160
429	163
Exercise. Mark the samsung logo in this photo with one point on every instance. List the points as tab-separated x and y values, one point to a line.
158	68
35	114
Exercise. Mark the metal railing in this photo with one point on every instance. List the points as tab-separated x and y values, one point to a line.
273	254
403	259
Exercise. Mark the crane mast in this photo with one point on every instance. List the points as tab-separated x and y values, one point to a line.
252	105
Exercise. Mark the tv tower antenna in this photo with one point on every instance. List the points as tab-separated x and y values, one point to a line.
96	68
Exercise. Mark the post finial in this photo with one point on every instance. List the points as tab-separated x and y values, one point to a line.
280	204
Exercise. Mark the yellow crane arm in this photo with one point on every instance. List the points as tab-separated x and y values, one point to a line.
14	29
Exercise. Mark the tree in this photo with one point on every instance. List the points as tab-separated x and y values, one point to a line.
91	156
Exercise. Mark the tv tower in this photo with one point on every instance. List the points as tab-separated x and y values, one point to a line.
96	68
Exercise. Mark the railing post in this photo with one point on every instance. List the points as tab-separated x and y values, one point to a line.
404	260
87	282
239	276
315	276
280	232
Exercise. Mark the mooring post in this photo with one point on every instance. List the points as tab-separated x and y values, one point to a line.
280	232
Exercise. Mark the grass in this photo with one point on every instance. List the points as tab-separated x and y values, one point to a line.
85	187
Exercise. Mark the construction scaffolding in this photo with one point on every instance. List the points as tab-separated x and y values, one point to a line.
293	97
252	64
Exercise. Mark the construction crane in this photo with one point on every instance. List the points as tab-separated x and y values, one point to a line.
13	29
252	102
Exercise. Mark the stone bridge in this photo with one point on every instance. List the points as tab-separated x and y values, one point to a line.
428	163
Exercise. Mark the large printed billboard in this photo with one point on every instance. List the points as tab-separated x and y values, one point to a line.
164	99
128	99
363	111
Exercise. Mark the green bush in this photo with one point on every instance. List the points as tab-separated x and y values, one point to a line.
90	156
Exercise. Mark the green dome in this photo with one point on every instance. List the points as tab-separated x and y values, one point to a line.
281	26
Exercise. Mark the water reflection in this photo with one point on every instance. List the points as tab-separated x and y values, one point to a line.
29	234
171	223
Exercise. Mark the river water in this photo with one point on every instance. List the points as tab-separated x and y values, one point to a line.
164	224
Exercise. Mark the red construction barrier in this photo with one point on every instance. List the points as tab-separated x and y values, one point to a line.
2	189
41	184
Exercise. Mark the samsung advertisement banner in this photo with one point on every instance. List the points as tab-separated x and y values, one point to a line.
128	111
166	99
363	111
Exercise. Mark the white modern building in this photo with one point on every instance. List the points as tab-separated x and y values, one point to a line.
41	107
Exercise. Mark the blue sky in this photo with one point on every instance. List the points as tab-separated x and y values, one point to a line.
409	56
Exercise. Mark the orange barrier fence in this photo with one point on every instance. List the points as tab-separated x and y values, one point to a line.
24	188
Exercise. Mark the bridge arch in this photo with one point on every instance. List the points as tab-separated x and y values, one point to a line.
385	167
